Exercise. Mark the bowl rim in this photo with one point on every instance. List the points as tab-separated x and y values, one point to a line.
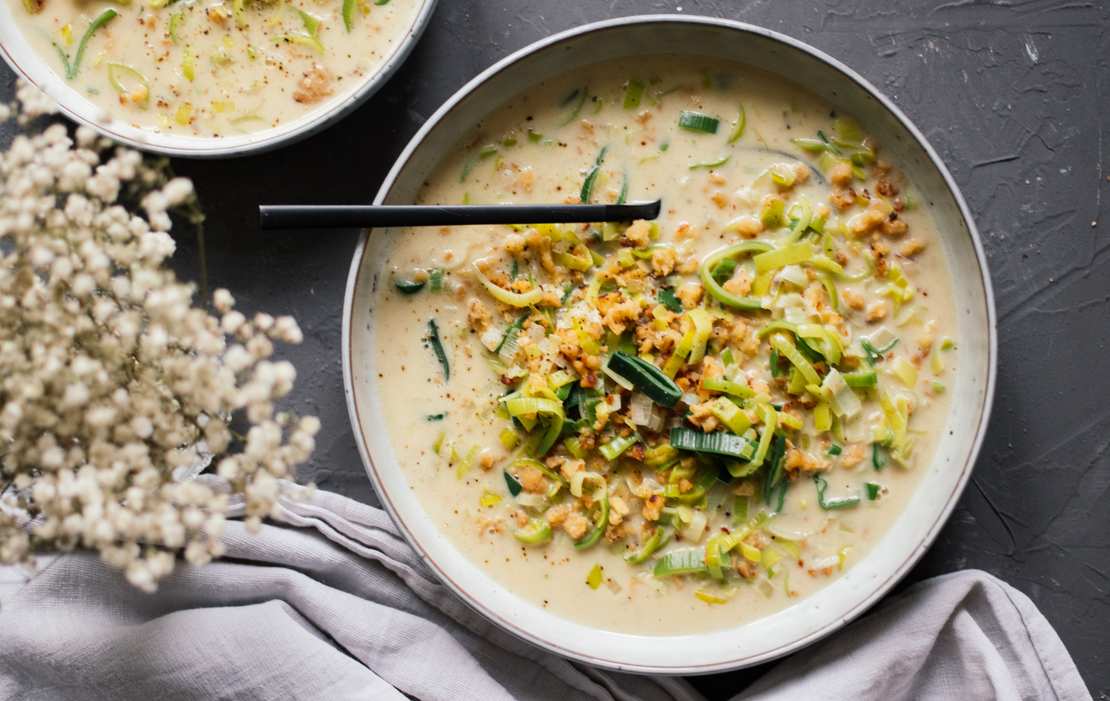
168	144
984	412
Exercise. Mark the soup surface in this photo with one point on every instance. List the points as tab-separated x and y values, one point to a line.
214	67
673	426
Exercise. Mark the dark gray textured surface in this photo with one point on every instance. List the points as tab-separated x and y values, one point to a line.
1012	95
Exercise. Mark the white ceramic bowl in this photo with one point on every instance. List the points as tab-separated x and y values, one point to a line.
940	486
26	62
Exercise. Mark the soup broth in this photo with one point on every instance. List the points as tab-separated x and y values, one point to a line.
675	426
210	69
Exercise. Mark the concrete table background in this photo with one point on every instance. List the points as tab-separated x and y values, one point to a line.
1011	94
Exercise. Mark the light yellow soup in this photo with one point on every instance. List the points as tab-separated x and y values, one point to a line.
214	67
540	148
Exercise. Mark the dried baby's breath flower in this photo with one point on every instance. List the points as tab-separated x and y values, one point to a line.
114	389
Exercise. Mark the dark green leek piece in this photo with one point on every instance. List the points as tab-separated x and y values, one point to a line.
834	503
872	490
717	443
512	483
647	378
697	121
437	347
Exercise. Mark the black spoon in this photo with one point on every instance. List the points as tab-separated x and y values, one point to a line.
295	216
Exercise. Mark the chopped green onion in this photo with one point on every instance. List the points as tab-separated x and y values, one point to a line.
773	362
435	280
872	490
847	132
513	299
633	94
709	165
775	484
772	212
878	457
649	547
696	121
311	25
591	176
811	145
437	348
116	73
842	398
681	351
594	578
188	65
464	462
74	66
482	154
770	419
511	331
677	562
738	470
435	417
789	351
720	384
861	379
740	506
508	438
790	254
874	354
407	287
730	415
834	503
623	196
822	416
835	449
781	176
602	522
614	448
724	270
719	293
703	329
349	13
577	98
536	532
716	549
532	407
175	25
738	130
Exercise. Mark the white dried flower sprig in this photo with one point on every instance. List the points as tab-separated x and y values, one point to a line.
111	380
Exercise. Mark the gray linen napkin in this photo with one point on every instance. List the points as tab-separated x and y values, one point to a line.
339	607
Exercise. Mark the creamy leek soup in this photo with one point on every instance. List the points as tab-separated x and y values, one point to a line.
214	67
679	425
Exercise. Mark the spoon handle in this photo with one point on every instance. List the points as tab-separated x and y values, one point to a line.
280	216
